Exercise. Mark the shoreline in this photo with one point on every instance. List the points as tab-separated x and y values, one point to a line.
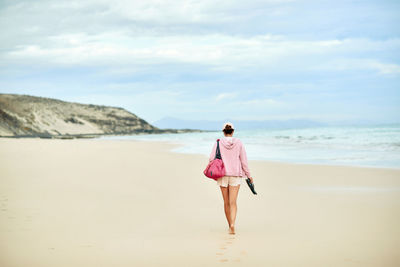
177	145
99	135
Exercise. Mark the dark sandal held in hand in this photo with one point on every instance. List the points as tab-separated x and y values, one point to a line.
251	185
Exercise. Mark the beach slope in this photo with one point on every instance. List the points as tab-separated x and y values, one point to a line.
132	203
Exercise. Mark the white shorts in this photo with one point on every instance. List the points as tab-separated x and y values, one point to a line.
229	180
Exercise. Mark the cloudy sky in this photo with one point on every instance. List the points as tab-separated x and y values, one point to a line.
323	60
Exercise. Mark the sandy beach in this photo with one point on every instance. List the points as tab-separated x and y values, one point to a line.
133	203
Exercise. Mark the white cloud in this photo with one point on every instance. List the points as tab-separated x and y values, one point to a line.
221	52
385	68
125	34
226	95
352	64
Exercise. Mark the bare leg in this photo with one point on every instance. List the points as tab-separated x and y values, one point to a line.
233	193
225	195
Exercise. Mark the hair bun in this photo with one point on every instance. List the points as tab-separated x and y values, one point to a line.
228	128
228	125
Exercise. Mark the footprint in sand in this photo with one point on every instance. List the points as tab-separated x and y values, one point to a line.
229	239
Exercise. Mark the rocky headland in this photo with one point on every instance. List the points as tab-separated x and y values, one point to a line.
32	116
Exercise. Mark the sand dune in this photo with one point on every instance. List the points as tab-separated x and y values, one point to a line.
131	203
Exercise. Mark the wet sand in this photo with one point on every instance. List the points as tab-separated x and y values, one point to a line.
133	203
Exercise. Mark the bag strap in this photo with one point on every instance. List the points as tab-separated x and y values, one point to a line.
217	151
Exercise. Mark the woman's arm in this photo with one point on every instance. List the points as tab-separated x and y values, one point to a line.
243	160
212	155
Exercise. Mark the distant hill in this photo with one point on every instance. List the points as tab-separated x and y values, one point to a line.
24	115
170	122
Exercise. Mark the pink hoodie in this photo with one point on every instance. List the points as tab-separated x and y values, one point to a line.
233	155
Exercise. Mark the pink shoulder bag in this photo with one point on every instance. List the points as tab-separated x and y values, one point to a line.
215	169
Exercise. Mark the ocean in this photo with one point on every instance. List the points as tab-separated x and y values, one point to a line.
367	146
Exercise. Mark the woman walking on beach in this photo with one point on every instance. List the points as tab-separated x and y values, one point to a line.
234	157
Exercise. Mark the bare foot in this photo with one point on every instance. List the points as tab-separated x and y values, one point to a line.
232	230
